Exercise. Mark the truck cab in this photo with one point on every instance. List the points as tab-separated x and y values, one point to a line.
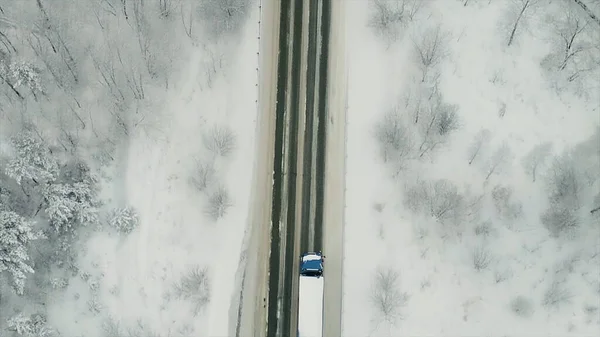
311	264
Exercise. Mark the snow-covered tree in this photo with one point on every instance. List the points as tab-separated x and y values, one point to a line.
23	74
71	205
15	235
33	326
124	219
33	160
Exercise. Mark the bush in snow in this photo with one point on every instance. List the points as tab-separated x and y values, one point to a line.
480	142
436	121
560	221
395	141
536	159
112	327
203	175
556	294
220	140
505	208
564	182
219	202
430	49
440	199
124	219
388	17
195	287
481	258
500	159
33	326
522	306
484	229
386	295
15	236
223	17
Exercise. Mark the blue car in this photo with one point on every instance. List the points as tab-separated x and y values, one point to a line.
311	264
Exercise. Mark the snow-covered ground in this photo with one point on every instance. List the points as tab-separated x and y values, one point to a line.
152	281
410	274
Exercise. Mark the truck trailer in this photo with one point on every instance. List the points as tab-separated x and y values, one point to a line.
310	295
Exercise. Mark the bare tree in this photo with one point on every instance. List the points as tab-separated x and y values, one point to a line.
395	141
505	207
195	287
219	202
564	183
568	31
387	18
481	257
438	120
440	199
560	221
588	10
203	175
430	48
501	157
480	142
387	297
223	17
519	8
412	8
556	294
522	306
536	159
220	140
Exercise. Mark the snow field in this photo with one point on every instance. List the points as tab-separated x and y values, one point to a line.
446	295
137	275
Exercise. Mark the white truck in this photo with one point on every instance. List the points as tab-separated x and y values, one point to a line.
310	295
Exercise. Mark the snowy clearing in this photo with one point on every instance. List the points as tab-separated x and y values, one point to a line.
144	203
472	170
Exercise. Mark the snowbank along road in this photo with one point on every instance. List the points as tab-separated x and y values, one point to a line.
252	316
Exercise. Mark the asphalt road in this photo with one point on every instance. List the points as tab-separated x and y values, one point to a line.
302	138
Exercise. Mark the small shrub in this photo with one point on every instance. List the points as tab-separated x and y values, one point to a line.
395	141
482	258
560	221
220	140
484	229
94	306
195	287
522	306
502	275
203	175
556	295
507	209
219	202
386	296
35	325
124	220
447	121
111	327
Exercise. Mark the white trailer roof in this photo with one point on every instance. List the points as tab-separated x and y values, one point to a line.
310	307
